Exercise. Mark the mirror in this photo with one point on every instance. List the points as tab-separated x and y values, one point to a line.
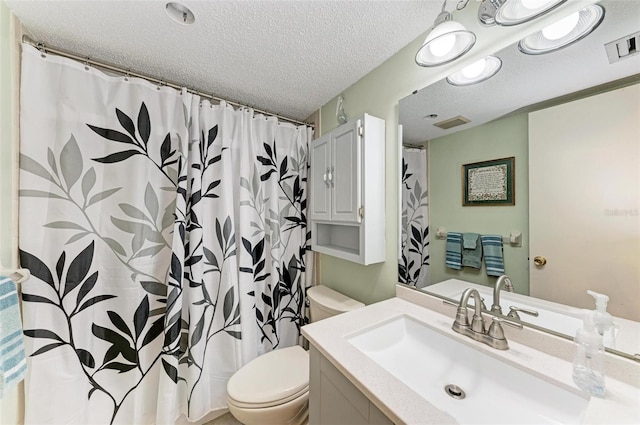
504	113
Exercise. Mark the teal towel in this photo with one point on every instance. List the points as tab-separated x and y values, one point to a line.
493	255
13	363
471	250
453	258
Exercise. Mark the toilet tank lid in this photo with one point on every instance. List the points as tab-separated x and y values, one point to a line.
334	300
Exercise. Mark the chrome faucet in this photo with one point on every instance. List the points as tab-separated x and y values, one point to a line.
494	336
503	282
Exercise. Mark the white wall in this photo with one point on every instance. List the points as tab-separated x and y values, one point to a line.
12	404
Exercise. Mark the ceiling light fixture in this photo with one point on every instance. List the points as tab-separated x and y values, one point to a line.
446	42
563	33
477	72
514	12
180	13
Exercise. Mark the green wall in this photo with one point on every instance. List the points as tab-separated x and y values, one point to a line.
373	95
377	94
498	139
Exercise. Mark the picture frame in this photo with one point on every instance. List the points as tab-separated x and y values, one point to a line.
489	183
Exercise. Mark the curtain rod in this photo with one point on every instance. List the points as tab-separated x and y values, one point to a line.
126	72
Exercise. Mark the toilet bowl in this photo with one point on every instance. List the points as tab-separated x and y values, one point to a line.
273	389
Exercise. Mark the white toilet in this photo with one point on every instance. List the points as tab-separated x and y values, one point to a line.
273	389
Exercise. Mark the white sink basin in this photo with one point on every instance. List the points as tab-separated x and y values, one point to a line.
495	392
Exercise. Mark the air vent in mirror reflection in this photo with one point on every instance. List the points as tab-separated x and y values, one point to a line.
452	122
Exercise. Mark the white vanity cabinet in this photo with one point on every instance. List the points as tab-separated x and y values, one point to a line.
333	399
347	191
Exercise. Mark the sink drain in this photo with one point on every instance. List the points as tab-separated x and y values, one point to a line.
455	392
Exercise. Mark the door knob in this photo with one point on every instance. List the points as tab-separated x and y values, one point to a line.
539	261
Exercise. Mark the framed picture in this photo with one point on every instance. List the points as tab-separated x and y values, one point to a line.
489	183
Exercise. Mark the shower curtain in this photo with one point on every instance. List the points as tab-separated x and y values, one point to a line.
413	264
166	238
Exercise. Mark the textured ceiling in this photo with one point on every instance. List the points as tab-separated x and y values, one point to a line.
525	80
287	57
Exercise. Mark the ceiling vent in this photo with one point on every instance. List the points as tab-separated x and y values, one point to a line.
623	48
452	122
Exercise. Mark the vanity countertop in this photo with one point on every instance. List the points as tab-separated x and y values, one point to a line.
404	406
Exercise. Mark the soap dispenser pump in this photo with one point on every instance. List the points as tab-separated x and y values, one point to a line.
603	320
588	366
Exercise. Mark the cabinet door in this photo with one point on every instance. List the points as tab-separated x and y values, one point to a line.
320	184
345	171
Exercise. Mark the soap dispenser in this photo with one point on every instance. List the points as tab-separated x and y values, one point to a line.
603	320
588	366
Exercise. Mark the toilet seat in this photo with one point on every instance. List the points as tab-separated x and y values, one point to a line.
250	405
272	379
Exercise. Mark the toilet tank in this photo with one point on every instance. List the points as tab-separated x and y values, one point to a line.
325	302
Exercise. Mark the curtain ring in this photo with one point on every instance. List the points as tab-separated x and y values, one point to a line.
86	63
43	50
126	75
160	84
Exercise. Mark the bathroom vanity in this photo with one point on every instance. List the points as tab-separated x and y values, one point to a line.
391	362
338	400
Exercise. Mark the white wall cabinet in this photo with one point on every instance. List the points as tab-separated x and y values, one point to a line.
347	191
333	399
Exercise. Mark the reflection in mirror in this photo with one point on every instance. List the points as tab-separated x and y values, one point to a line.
413	267
571	119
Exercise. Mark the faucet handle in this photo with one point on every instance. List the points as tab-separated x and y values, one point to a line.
462	318
513	312
495	330
477	324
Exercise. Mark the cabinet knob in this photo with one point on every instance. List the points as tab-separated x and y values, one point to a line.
539	261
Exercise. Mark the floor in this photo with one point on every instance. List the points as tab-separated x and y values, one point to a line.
226	419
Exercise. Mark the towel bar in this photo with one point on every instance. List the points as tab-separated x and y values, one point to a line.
17	275
514	239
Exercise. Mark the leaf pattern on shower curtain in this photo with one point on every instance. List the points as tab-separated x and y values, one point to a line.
281	298
138	232
413	264
125	341
156	254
